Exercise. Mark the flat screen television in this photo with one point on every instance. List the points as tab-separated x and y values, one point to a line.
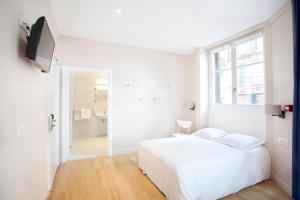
40	46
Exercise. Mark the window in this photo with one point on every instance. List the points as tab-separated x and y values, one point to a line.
238	72
222	76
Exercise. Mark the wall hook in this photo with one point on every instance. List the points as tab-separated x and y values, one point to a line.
126	85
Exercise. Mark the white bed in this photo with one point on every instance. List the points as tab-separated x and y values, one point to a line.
193	168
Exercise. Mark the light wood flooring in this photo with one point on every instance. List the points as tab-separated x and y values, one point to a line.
119	178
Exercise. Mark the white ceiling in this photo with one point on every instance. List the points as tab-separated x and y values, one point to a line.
177	26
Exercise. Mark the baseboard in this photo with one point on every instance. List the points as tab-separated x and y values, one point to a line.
281	183
124	151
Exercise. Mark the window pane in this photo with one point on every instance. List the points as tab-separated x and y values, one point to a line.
250	84
222	59
223	87
249	52
248	70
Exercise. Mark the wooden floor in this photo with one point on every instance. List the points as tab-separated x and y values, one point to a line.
119	178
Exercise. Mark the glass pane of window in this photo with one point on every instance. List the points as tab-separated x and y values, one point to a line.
248	70
250	84
222	59
249	52
223	87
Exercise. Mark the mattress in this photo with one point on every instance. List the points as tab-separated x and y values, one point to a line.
193	168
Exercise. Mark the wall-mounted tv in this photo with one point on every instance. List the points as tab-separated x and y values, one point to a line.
41	44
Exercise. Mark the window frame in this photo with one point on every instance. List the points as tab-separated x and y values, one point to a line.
213	71
233	45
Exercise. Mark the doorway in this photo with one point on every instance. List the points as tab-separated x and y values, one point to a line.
86	101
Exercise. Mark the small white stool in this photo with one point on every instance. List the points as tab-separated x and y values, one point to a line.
183	125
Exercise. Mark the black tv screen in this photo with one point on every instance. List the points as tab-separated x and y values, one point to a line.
41	44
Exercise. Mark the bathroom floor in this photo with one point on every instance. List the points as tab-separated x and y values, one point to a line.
88	147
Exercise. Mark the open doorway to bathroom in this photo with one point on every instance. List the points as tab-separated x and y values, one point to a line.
89	104
86	113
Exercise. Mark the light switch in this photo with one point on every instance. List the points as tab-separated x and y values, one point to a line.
22	130
283	141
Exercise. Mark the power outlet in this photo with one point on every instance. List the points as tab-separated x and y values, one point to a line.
283	141
22	130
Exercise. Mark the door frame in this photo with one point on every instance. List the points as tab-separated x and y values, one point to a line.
66	107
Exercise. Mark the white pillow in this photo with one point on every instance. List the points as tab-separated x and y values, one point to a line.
210	133
239	141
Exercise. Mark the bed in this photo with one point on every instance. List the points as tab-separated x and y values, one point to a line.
193	168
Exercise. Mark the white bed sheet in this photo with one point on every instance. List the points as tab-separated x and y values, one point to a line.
192	168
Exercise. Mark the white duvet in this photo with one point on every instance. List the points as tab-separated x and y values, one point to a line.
192	168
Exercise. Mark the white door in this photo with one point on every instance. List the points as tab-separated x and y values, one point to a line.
53	117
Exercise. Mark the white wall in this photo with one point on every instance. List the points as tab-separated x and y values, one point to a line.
282	87
199	76
23	160
156	96
84	96
236	118
191	86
